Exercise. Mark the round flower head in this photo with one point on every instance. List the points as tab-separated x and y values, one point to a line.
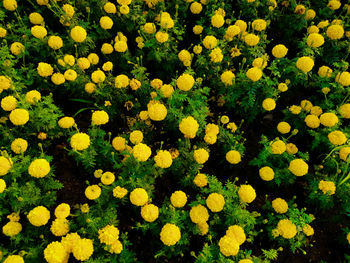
33	96
107	178
279	51
254	74
278	147
280	205
343	78
39	168
93	192
327	187
329	119
39	216
99	117
78	34
185	82
106	22
315	40
283	127
11	229
312	121
19	145
178	199
5	165
246	193
119	143
344	153
62	210
13	258
227	77
98	76
200	180
121	81
236	232
163	159
38	31
233	157
305	64
199	214
269	104
66	122
59	227
149	212
259	24
141	152
196	8
251	39
139	197
120	46
19	117
80	141
215	202
201	155
108	234
189	127
344	110
83	249
298	167
337	138
156	111
335	32
266	173
217	20
228	246
210	42
170	234
55	252
286	228
136	137
10	5
308	230
8	103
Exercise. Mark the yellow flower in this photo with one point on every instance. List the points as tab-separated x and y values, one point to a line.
217	20
120	46
58	79
251	39
310	14
5	165
185	82
59	227
298	167
266	173
116	247
315	40
93	58
39	168
3	32
170	234
149	212
121	81
139	197
78	34
70	74
83	249
200	180
305	64
107	66
291	148
196	8
236	232
149	28
19	116
199	214
344	153
66	122
337	138
259	24
254	74
334	4
55	252
197	29
228	246
8	103
286	228
80	141
55	42
166	21
33	96
335	32
163	159
280	205
119	192
17	48
343	78
19	145
69	241
39	216
189	127
11	229
141	152
107	178
69	10
231	32
283	127
178	199
108	234
242	25
233	157
269	104
99	117
118	143
10	5
167	90
13	258
215	202
216	55
308	230
329	119
210	42
246	193
260	62
312	121
201	155
62	210
327	187
93	192
278	147
300	9
124	9
156	111
38	31
44	69
344	110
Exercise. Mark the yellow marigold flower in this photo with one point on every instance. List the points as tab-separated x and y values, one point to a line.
98	76
224	119
312	121
99	117
337	137
254	74
278	147
305	64
11	229
149	28
149	212
106	22
44	69
259	63
163	159
38	31
19	145
80	141
156	111
298	167
343	78
5	165
9	103
328	119
58	79
70	75
308	230
344	153
201	155
344	110
242	25
335	32
136	137
141	152
13	258
93	192
10	5
62	210
42	2
300	9
124	9
170	234
14	217
231	32
325	72
135	84
178	199
93	58
119	143
166	21
39	216
280	205
251	39
246	193
200	180
33	96
107	66
55	42
3	32
69	10
107	178
2	183
66	122
119	192
199	214
232	126
269	104
17	48
228	246
167	90
83	249
286	228
315	40
69	241
313	29
259	24
120	46
316	110
236	232
212	128
55	253
197	29
334	4
215	202
216	55
144	115
19	116
283	127
310	14
323	24
291	148
184	56
139	197
196	8
116	247
189	127
233	157
266	173
282	87
217	20
121	81
185	82
39	168
69	59
210	42
107	48
59	227
78	34
108	234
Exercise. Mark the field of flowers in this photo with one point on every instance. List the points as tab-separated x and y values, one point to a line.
174	131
